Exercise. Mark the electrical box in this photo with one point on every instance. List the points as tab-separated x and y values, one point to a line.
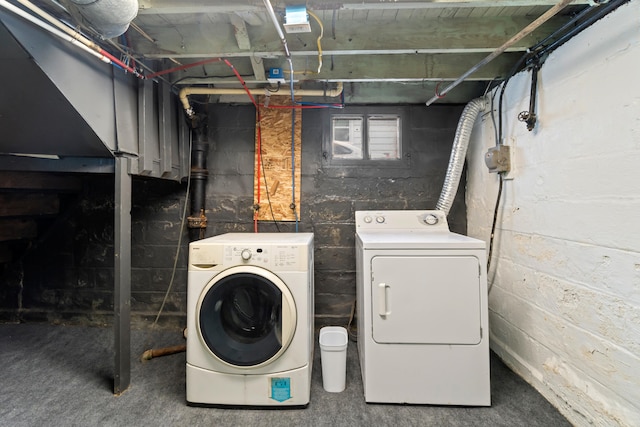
296	19
498	159
275	75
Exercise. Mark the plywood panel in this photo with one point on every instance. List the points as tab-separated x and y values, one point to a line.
273	162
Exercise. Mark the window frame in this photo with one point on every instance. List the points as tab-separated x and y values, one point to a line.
366	114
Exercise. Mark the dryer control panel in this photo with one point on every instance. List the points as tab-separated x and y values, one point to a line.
402	220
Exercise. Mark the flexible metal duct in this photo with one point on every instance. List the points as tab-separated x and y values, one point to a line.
110	18
458	153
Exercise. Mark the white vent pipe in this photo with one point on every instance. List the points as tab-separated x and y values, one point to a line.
185	92
458	153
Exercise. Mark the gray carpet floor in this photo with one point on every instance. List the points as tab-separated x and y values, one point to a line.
63	375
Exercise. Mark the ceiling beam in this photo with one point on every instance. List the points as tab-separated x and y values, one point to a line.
374	67
172	7
458	4
366	68
325	53
456	35
240	31
244	43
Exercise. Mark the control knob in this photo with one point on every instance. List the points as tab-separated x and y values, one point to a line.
431	219
246	254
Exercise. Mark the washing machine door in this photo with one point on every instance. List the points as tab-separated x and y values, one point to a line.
246	316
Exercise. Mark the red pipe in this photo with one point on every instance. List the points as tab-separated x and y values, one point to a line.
120	63
182	67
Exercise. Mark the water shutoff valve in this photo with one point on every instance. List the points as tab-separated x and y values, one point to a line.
498	159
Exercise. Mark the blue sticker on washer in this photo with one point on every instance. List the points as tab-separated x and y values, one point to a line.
281	389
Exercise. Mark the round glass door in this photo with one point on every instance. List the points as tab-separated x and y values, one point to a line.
245	316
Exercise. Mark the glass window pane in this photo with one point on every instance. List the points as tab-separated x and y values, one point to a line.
384	138
346	141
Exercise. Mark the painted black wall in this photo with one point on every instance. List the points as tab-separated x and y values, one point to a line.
69	276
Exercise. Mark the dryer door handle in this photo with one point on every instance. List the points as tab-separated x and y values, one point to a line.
383	290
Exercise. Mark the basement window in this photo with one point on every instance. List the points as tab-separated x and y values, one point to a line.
365	137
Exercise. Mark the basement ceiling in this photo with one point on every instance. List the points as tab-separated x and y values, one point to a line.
382	51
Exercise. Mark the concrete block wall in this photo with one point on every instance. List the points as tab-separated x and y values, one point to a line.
565	299
69	277
330	194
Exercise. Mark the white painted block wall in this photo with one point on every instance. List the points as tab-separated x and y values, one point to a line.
565	300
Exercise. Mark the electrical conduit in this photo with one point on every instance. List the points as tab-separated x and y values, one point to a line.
513	40
65	33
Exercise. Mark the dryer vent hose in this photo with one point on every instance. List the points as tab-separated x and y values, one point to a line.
458	153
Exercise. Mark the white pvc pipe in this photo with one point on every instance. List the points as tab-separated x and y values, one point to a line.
46	16
52	30
185	92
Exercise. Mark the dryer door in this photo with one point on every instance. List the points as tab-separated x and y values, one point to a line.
246	316
426	299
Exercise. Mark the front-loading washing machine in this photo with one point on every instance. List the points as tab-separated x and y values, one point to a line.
250	319
423	329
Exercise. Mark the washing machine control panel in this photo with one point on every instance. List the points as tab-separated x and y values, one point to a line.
285	257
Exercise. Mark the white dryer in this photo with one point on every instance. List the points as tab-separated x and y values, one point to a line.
250	319
423	331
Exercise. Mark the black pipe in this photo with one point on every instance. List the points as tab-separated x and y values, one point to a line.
197	220
599	12
539	51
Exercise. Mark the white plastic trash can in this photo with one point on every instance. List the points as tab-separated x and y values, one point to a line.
333	355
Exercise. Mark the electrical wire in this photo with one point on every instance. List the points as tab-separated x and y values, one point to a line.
266	190
258	165
182	67
57	28
182	221
293	166
274	90
333	24
133	58
493	226
259	148
314	16
353	336
305	72
259	162
181	79
493	118
304	106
